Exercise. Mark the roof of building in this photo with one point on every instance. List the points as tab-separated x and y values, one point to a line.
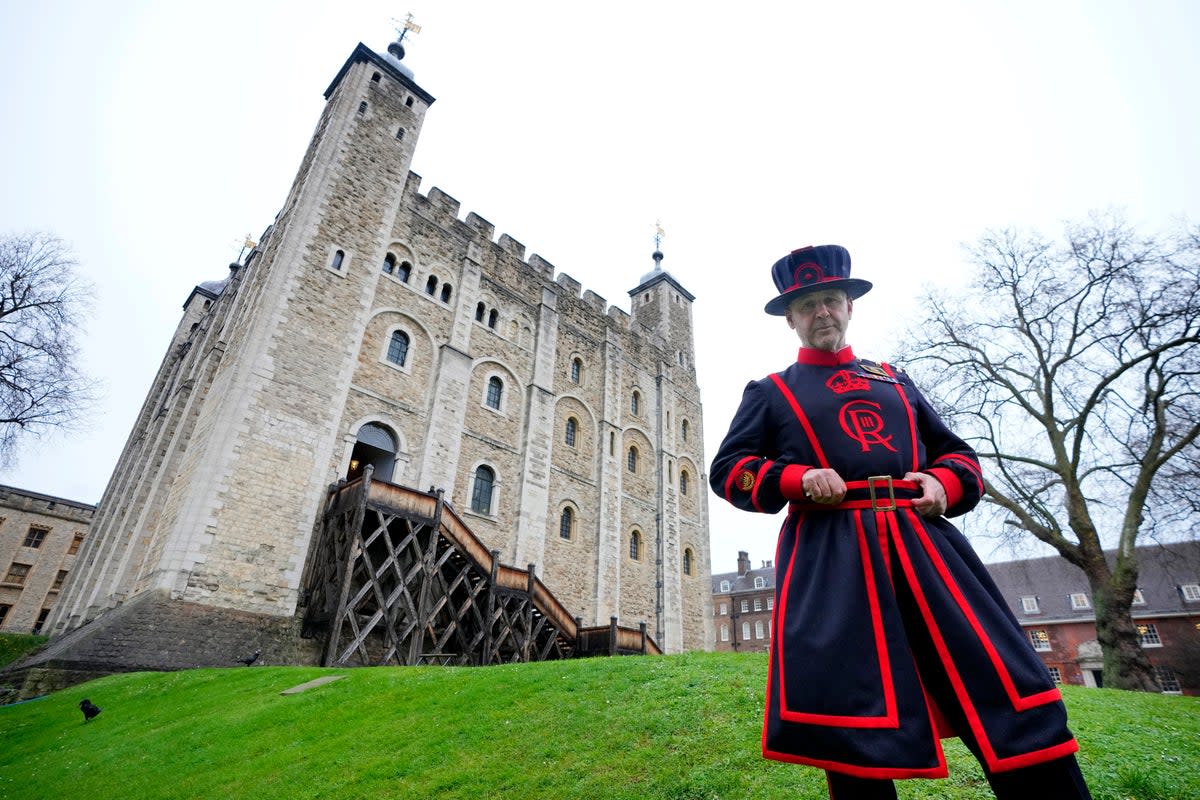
1162	569
744	583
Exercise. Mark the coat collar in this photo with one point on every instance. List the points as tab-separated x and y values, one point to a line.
824	358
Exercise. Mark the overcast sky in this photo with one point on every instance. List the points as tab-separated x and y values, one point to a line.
153	136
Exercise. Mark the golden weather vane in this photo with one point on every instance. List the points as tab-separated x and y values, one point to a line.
407	26
659	233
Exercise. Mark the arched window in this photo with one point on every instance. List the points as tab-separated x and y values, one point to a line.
481	490
745	631
338	258
404	271
576	370
479	309
684	429
725	586
688	558
631	459
431	285
635	545
389	263
398	348
566	523
572	428
635	402
495	388
400	133
760	582
362	107
493	316
683	481
446	291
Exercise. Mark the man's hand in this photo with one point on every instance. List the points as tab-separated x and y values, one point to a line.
932	502
824	486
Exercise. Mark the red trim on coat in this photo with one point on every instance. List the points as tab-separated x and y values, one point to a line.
824	358
758	482
800	415
994	763
949	482
791	481
732	473
969	463
875	773
912	420
891	716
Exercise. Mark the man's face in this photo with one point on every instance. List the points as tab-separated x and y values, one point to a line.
820	319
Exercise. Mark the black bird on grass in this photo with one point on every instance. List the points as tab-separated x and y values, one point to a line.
248	660
89	709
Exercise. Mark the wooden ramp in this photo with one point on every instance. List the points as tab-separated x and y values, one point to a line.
398	578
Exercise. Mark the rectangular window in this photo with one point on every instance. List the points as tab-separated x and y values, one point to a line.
1040	640
758	604
1191	592
1167	680
745	606
75	544
4	609
1148	635
17	574
724	633
58	580
1079	601
745	631
724	609
1029	605
35	537
770	603
41	620
1055	675
758	630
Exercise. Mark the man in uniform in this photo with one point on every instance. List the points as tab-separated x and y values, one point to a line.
888	632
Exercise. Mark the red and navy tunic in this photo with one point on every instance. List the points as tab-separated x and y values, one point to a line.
844	692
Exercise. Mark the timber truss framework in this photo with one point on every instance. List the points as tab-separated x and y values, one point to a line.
399	579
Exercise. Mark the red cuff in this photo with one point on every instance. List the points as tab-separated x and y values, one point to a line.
791	482
949	482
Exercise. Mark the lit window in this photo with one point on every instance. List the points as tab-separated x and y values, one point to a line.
687	561
35	537
724	586
1030	605
760	582
1167	680
758	630
683	481
446	292
566	523
1139	599
1148	635
631	460
745	606
1055	675
495	388
1190	592
758	604
398	348
1040	640
724	629
1079	601
338	257
17	574
576	370
635	402
404	271
481	492
76	543
389	263
572	428
635	545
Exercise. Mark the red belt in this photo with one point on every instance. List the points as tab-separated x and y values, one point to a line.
878	493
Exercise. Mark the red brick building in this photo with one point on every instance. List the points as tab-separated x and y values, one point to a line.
742	606
1052	601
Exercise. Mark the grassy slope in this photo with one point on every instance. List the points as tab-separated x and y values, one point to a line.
675	728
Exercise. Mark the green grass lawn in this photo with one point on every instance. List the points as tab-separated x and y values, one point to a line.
677	728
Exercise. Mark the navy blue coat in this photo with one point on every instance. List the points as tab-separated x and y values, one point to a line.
843	690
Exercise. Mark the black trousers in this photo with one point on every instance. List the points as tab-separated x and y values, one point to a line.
1059	779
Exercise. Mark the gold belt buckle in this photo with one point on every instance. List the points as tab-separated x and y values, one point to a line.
891	493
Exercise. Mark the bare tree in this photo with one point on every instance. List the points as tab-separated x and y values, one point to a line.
42	301
1074	367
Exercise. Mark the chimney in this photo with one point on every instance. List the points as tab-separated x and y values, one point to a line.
766	565
743	562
